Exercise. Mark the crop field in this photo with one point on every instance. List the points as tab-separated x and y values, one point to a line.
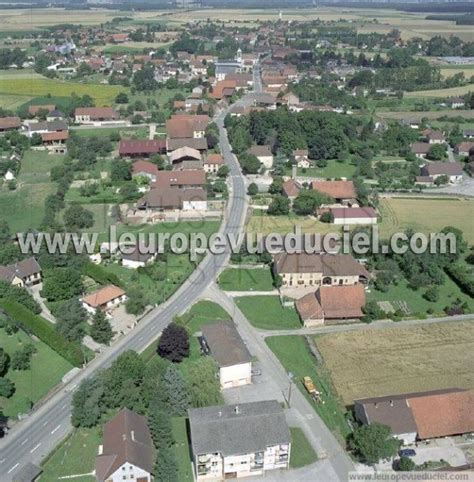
397	360
433	114
32	87
24	207
465	89
398	214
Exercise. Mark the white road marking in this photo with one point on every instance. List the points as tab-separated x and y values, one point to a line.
34	448
13	468
55	429
1	461
24	441
45	423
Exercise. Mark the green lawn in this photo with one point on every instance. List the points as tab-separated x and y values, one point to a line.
24	207
267	313
332	170
181	449
201	313
177	269
449	292
47	370
103	95
76	455
302	453
295	356
241	279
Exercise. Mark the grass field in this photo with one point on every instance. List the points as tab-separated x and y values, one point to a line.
181	449
76	455
434	114
294	354
134	132
442	92
47	369
426	215
334	169
448	293
267	313
302	453
265	224
102	94
24	207
400	360
241	279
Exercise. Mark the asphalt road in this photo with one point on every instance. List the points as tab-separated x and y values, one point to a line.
34	437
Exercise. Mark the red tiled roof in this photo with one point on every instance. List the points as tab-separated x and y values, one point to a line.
214	159
186	177
342	301
349	213
336	189
10	122
55	136
291	188
103	296
444	414
183	125
144	166
129	147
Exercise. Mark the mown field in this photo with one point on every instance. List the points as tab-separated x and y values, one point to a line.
24	207
453	91
426	215
241	279
47	370
33	87
397	360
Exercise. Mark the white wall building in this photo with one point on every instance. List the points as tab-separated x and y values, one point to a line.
228	349
219	456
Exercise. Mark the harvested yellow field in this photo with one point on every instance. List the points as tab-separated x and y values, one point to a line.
286	224
373	363
442	92
427	215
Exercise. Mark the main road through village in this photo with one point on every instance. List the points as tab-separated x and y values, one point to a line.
35	436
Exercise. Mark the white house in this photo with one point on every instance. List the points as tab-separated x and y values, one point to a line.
228	349
104	299
9	176
348	215
232	441
127	451
452	170
263	154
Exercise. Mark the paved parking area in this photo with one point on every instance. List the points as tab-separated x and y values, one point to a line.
262	388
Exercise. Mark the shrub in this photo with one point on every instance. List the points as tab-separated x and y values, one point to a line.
41	328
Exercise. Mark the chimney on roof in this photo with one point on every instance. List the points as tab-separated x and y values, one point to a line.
375	404
237	410
132	435
391	403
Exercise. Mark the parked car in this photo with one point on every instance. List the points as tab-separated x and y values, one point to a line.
407	453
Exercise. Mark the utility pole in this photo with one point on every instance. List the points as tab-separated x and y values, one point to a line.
290	376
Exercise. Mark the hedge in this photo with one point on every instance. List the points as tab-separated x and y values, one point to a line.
462	277
100	275
43	329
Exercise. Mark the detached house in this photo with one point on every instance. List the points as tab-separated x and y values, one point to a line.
9	124
141	147
452	170
232	441
212	163
127	451
301	158
463	148
349	215
104	299
263	154
22	273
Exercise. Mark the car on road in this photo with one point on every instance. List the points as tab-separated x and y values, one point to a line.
407	453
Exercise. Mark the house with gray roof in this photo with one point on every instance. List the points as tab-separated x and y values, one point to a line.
233	441
26	272
230	352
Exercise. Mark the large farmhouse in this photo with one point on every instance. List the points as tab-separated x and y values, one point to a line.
303	270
